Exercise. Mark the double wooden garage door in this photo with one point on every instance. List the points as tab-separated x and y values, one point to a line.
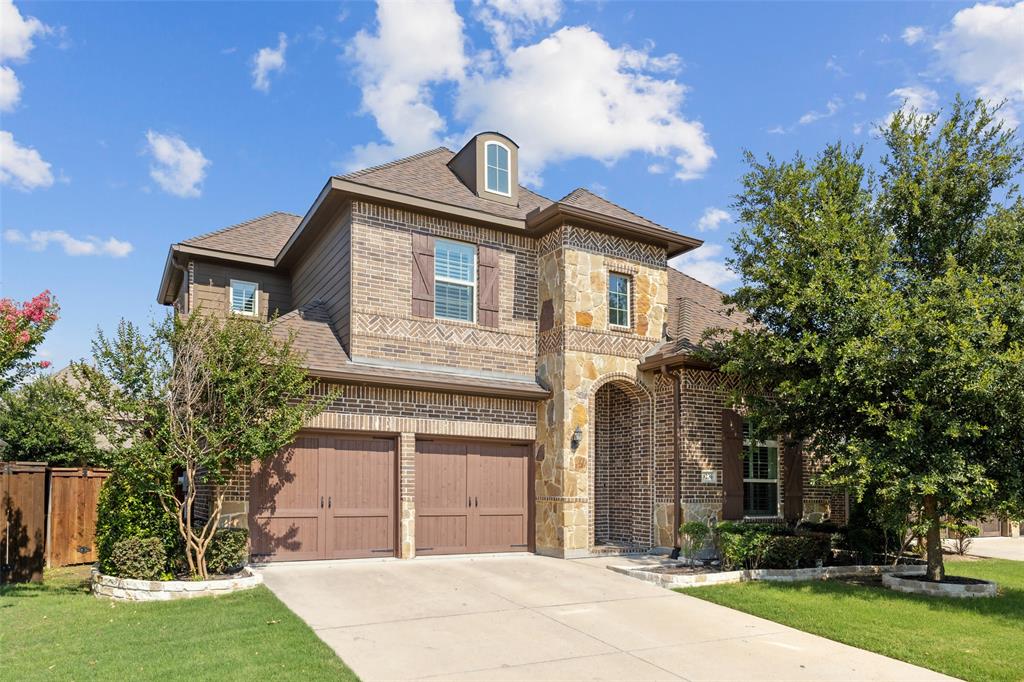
335	497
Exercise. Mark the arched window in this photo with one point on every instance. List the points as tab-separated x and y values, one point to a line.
496	175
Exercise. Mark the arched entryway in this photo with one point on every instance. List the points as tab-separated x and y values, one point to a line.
621	482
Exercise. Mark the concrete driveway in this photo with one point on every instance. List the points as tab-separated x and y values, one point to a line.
998	548
525	617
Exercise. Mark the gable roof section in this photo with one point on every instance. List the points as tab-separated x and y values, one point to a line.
426	175
261	237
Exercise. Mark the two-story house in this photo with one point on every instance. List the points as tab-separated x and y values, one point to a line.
513	373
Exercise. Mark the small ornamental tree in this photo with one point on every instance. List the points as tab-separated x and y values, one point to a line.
202	397
22	328
890	305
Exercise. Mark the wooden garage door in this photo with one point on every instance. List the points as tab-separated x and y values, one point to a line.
326	497
471	497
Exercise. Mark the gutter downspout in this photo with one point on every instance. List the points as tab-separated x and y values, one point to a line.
677	511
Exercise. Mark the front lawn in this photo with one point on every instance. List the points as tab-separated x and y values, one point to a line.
974	639
59	631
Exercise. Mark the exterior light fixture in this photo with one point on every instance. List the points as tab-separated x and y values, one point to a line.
577	436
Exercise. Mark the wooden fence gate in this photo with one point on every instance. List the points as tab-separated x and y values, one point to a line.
22	521
71	516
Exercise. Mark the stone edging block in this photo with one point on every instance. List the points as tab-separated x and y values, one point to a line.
958	590
127	589
650	574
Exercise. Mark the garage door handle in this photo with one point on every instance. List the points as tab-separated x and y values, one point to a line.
321	501
476	501
328	502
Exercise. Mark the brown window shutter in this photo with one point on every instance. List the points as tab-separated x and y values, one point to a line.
732	465
422	275
793	481
489	280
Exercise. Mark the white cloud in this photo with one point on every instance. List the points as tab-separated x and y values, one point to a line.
858	128
10	89
39	240
984	48
22	167
705	263
268	60
777	130
17	32
918	97
574	95
417	44
569	95
912	35
178	168
860	96
831	108
832	64
511	20
711	219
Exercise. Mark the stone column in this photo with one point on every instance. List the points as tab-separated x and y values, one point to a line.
407	495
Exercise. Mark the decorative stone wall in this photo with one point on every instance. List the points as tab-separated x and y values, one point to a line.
382	322
126	589
655	574
955	590
578	353
407	495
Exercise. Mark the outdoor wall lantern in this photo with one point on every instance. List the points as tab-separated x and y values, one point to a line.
577	436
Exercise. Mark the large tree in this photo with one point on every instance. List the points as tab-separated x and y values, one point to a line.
201	396
890	303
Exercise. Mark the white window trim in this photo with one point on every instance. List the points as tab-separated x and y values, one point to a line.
770	443
255	301
449	280
629	301
508	170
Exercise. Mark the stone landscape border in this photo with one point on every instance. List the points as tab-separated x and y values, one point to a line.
786	575
126	589
958	590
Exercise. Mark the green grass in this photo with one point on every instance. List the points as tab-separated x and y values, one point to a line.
59	631
974	639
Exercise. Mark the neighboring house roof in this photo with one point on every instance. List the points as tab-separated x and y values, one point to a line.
261	237
314	336
426	175
693	308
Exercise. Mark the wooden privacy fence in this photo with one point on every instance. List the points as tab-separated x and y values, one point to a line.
23	521
47	518
71	515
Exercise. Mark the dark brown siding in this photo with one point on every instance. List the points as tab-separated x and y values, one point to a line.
212	282
324	274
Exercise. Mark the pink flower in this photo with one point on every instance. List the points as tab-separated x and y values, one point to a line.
23	337
44	364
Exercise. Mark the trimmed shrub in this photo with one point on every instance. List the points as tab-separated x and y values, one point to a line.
963	535
797	551
228	550
127	509
138	558
765	545
694	535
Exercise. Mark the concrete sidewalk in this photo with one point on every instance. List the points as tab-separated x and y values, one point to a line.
529	617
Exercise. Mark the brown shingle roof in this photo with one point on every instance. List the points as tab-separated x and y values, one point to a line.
313	336
584	198
693	308
427	176
262	237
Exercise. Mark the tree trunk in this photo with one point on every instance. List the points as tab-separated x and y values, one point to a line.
933	543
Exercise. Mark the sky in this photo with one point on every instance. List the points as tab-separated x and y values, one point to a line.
127	127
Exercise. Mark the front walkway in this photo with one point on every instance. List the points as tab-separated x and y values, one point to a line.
525	617
998	548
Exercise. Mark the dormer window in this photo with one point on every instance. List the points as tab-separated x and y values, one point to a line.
497	172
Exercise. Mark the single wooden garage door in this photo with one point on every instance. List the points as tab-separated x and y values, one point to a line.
471	497
326	497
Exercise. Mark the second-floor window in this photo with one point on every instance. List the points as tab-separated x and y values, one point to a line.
454	280
244	297
760	475
497	170
618	300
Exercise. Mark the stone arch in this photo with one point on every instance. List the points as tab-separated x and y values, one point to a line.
621	465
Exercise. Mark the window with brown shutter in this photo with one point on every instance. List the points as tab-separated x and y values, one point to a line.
489	286
422	275
732	465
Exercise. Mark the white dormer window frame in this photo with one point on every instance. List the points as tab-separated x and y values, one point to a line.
241	306
507	170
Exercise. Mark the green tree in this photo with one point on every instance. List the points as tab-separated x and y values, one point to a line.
201	396
22	328
890	313
48	420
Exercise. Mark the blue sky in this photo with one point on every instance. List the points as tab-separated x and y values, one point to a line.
127	127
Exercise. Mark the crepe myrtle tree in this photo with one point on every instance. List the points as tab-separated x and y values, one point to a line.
889	303
200	396
22	328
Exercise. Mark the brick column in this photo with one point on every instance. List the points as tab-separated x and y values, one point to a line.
407	494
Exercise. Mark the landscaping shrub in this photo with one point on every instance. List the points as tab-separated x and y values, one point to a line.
228	550
694	535
797	551
127	509
742	545
963	535
138	558
765	545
